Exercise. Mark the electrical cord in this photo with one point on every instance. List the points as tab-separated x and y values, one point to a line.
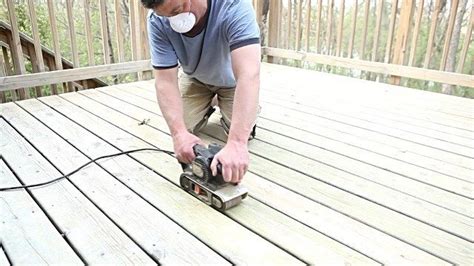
84	165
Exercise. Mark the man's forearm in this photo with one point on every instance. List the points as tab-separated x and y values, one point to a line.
171	105
245	108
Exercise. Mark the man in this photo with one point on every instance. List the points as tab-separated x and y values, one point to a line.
217	44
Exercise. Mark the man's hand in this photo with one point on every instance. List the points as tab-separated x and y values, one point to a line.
234	159
183	146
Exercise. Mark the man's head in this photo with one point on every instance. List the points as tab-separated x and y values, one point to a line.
168	8
151	4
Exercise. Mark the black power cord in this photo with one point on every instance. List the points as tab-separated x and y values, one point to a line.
84	165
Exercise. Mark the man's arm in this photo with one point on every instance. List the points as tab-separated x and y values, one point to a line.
234	157
171	105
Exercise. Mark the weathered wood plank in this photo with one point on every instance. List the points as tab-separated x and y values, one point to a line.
171	244
25	230
90	231
262	195
3	257
195	216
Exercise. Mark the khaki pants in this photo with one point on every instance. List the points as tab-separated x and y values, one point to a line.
197	98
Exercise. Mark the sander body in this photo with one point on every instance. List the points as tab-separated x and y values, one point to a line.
198	180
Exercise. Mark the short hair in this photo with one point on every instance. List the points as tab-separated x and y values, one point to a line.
150	4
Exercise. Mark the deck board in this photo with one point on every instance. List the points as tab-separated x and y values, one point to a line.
383	214
401	176
3	257
26	230
343	171
78	219
259	188
377	247
171	244
193	215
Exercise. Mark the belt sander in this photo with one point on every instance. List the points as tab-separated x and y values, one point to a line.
198	180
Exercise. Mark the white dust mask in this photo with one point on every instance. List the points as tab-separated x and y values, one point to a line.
183	22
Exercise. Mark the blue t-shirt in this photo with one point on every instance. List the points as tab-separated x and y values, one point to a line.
230	24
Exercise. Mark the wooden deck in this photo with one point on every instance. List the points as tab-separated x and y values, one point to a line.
343	171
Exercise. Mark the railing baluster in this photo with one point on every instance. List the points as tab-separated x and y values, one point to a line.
289	26
119	34
329	27
54	34
36	56
434	24
375	44
88	32
416	32
366	24
308	24
15	48
402	37
354	24
2	74
319	7
105	36
340	27
393	17
449	33
72	34
298	25
467	41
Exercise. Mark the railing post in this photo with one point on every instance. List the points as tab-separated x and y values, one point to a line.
274	23
400	49
15	47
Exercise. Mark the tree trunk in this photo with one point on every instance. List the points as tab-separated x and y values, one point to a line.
453	46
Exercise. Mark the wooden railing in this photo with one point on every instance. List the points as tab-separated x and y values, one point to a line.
404	42
55	46
79	42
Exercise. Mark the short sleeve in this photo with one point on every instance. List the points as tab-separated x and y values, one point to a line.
241	25
162	52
